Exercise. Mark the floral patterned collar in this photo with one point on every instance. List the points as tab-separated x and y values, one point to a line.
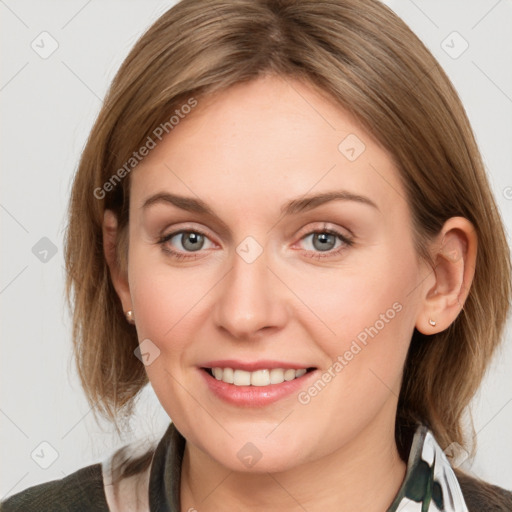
430	484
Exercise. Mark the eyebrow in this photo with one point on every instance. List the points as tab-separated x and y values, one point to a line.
294	206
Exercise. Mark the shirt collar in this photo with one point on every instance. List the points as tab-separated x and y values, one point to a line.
430	484
165	476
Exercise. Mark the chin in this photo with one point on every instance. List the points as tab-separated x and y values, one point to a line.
267	463
259	455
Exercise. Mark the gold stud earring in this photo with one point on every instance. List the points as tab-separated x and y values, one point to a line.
432	322
129	317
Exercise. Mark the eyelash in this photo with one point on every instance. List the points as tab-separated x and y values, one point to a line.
347	242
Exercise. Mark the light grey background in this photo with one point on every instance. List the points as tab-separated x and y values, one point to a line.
48	107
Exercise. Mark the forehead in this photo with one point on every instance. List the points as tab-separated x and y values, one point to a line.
264	142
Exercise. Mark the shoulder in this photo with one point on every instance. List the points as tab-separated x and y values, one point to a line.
481	496
81	490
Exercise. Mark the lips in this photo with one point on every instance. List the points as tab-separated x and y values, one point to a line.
255	383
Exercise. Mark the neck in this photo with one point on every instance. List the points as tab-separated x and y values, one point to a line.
365	474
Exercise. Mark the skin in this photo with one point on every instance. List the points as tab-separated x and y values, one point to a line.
245	152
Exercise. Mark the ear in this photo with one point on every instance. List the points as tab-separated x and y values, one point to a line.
118	276
454	251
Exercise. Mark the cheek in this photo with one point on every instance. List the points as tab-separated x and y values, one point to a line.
346	301
166	303
163	299
365	318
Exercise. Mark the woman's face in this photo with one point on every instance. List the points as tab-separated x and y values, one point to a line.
232	266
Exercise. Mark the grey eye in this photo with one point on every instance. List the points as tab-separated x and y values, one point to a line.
191	241
324	241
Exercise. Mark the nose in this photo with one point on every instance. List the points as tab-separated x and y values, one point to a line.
250	299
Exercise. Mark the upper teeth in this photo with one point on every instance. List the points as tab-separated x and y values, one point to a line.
257	378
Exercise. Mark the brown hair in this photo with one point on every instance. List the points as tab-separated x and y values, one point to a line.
362	55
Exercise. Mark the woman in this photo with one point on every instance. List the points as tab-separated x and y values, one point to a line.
282	222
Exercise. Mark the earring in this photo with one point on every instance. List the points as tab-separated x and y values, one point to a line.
432	322
129	317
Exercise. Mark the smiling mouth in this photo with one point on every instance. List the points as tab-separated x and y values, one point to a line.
264	377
